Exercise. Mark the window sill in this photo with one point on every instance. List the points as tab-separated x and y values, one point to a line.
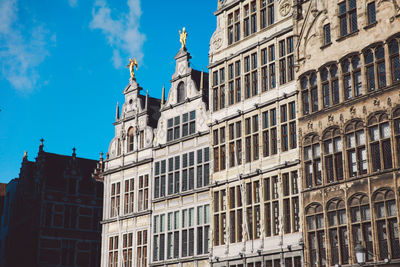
370	25
347	36
181	194
326	45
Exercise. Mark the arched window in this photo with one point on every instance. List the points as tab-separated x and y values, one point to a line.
394	60
330	85
386	224
333	158
130	139
375	62
338	235
361	223
316	235
379	137
312	161
355	149
181	94
396	116
351	77
309	91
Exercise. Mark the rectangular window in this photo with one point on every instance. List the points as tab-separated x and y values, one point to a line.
128	196
112	251
327	34
371	13
127	245
141	245
115	199
348	17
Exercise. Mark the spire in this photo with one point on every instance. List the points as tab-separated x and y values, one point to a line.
146	104
101	157
25	156
41	145
73	152
117	112
202	81
163	95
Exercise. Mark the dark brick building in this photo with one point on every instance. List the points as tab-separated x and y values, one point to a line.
55	218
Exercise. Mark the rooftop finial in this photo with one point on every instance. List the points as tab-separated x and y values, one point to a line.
131	66
117	112
25	155
182	38
146	103
73	152
202	80
163	95
101	156
41	145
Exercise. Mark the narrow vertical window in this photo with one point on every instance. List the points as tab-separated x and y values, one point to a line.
327	34
371	13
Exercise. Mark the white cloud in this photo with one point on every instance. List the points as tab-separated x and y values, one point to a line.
22	48
122	33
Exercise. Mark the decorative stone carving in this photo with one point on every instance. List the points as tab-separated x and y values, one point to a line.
341	118
389	102
352	110
376	102
365	110
285	8
330	118
310	125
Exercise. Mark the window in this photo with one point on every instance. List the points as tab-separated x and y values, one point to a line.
219	149
237	25
188	171
128	196
188	126
230	28
141	139
333	157
253	6
348	17
159	237
115	195
235	144
309	93
203	167
270	140
238	90
253	210
246	22
351	77
159	179
235	215
141	248
173	175
130	139
219	89
203	229
380	146
143	198
288	126
70	216
127	249
396	116
312	161
291	208
181	93
338	235
375	62
330	85
272	72
220	217
113	251
267	13
360	214
173	235
271	206
394	60
68	252
356	152
327	34
251	139
286	60
316	235
371	13
387	228
187	232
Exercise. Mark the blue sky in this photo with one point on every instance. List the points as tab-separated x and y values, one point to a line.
63	67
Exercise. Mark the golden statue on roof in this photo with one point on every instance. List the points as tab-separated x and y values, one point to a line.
131	66
183	37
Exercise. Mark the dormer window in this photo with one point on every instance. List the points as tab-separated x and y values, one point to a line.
181	93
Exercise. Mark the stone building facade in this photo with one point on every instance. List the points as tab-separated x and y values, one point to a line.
54	214
127	175
255	179
348	77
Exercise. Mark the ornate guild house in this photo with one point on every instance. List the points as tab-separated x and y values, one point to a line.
286	154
